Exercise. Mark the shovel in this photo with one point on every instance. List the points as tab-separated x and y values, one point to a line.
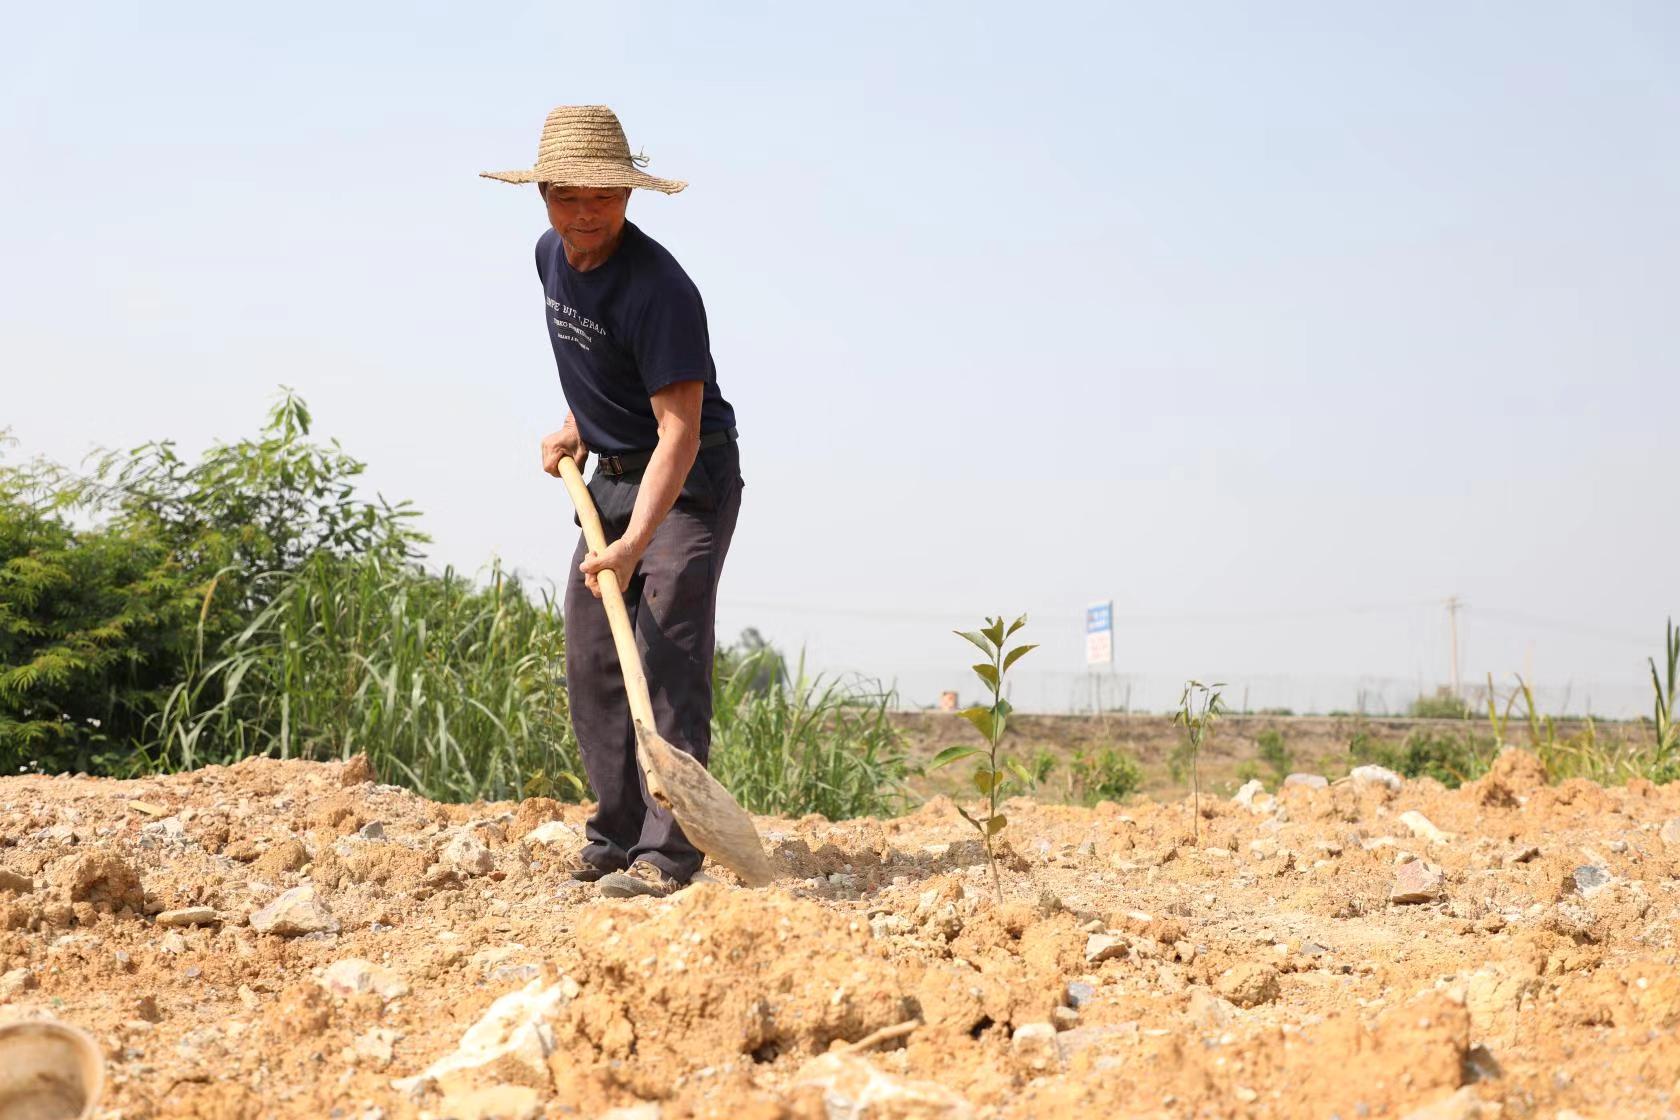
709	817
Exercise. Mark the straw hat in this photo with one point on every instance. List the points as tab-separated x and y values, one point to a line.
584	146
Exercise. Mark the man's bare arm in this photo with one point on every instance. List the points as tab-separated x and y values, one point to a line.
676	408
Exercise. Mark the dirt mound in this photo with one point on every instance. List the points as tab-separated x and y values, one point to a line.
720	975
294	940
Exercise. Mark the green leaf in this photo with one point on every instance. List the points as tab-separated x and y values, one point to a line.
987	648
1000	719
995	632
987	673
1016	625
1021	772
1016	654
982	720
969	817
953	754
994	825
984	780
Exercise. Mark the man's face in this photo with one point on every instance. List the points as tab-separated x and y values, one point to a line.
587	218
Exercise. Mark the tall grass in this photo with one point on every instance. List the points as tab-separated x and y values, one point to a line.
451	689
1586	753
793	745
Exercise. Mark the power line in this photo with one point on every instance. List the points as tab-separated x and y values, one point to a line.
912	615
1521	618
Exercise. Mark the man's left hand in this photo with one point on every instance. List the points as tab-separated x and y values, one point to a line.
620	557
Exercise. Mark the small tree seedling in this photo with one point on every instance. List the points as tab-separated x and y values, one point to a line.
1198	709
989	777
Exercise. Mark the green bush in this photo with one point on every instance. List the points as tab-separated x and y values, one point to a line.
1038	769
1442	705
113	584
94	627
1274	752
805	745
1106	775
1450	759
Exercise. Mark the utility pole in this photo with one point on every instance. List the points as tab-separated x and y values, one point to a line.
1452	619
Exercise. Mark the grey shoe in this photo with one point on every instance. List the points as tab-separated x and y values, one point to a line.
589	873
642	880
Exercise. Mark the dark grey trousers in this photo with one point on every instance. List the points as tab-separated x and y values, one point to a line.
672	602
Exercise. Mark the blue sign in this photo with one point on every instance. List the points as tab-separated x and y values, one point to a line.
1099	634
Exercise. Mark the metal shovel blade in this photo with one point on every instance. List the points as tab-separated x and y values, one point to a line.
709	817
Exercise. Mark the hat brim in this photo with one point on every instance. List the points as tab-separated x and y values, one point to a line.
588	173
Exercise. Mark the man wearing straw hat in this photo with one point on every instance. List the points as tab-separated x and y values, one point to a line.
630	340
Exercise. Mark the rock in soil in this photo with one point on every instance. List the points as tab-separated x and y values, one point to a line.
1416	881
297	912
1249	985
189	916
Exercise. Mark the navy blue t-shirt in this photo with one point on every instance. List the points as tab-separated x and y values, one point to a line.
623	331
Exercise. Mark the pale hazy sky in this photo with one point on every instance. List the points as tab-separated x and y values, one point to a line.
1277	324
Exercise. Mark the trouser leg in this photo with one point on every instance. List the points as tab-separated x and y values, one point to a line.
672	604
601	721
675	630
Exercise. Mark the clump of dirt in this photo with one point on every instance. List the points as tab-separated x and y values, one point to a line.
722	974
1514	776
287	855
1264	969
99	880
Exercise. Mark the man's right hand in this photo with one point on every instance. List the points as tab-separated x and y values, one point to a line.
564	442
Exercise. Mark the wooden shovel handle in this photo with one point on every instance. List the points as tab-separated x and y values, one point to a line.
612	597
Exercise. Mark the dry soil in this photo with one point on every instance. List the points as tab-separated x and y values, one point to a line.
1507	949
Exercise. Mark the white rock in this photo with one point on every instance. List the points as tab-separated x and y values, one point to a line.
1377	775
554	832
468	855
853	1089
1251	789
189	916
647	1110
15	982
514	1028
1100	947
168	826
1311	781
885	925
1670	833
296	912
1461	1105
1036	1042
496	1102
377	1046
354	976
1423	828
1416	881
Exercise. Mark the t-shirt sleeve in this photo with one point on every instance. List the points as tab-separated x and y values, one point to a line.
670	342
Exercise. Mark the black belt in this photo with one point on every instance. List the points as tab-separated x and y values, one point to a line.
616	465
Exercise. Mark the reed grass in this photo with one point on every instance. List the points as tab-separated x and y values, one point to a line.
792	745
451	689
